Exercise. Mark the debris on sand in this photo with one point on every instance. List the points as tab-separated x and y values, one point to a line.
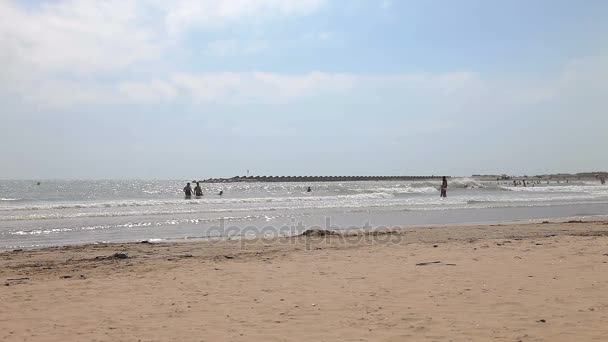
592	233
15	281
318	232
382	232
428	263
433	262
119	255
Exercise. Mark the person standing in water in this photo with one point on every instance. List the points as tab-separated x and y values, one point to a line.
198	192
444	187
309	189
188	191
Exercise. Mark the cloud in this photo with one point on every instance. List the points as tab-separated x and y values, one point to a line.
67	53
447	93
54	94
231	47
152	91
216	13
218	87
75	36
54	53
90	36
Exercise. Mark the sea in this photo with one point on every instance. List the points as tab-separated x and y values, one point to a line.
63	212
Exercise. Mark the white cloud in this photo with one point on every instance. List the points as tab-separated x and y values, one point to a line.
450	92
231	47
53	52
64	94
153	91
221	87
213	13
208	87
88	36
75	36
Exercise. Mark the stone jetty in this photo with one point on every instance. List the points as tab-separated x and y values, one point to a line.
318	178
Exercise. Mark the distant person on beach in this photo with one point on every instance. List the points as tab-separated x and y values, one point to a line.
221	193
309	189
188	191
198	192
444	187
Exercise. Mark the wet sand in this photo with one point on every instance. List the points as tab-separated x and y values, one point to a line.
519	282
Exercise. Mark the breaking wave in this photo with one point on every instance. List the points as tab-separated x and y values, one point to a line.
194	202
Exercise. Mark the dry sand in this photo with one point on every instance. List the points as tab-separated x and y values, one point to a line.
534	282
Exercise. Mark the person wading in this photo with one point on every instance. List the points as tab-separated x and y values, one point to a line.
188	191
444	187
198	192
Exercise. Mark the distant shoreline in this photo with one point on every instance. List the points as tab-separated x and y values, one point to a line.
318	178
558	176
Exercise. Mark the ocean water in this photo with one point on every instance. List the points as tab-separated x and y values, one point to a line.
74	212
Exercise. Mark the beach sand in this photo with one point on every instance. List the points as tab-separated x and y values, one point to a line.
517	282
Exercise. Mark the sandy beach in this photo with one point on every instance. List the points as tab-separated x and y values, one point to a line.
517	282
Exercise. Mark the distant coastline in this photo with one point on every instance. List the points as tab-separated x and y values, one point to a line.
237	179
580	175
318	178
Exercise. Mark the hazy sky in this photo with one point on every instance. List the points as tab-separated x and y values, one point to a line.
205	88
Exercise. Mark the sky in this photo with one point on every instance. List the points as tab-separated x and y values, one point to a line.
188	89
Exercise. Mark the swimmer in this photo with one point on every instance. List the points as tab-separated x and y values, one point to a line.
188	191
444	187
198	192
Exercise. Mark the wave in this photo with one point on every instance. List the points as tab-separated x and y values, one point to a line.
399	190
458	183
542	200
129	225
195	202
10	199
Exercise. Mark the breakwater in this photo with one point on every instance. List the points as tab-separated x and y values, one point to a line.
318	178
